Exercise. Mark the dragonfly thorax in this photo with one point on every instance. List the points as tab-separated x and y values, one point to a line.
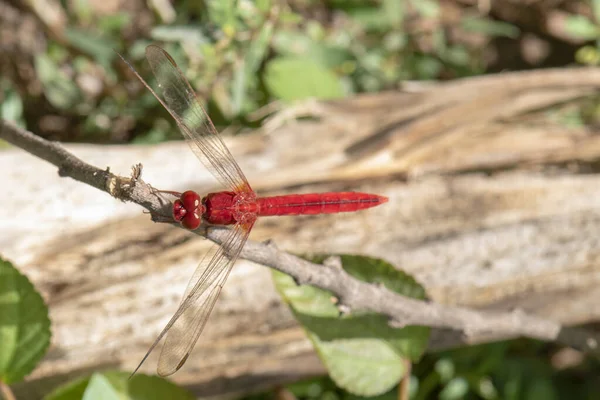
225	208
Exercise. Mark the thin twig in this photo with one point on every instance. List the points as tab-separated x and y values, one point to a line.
458	325
6	392
404	386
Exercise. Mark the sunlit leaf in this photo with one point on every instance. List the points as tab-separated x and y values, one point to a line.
24	325
457	388
582	27
362	353
178	33
117	385
11	107
99	388
291	78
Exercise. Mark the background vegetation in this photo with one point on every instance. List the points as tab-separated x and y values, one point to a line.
60	78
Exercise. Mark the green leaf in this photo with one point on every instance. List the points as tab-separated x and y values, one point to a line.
445	369
245	75
291	78
582	27
100	388
289	43
596	10
178	33
394	11
11	108
371	18
362	353
117	385
99	47
24	325
541	388
114	22
457	388
60	89
490	27
223	13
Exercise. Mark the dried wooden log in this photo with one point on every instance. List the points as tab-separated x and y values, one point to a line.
492	206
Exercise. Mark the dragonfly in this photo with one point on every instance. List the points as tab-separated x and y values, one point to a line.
238	206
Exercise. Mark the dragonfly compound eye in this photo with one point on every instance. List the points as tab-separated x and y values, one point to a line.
188	210
190	201
178	210
191	221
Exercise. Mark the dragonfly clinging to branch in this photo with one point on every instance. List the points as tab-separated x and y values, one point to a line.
238	206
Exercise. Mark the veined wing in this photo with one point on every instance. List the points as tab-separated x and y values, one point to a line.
181	102
186	325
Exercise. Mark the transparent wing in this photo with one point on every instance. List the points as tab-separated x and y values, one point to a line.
186	325
195	125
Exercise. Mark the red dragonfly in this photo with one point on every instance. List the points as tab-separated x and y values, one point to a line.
238	206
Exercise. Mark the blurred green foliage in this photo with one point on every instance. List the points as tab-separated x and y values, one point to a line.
24	325
242	55
510	370
118	385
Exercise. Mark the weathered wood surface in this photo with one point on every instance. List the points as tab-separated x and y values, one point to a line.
494	204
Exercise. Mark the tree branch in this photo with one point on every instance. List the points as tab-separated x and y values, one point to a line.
5	391
472	326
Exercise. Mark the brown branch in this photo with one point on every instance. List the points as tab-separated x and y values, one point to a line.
6	393
466	326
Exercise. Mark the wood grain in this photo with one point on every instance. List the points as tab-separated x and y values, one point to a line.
493	204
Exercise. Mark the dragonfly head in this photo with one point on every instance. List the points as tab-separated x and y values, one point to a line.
188	210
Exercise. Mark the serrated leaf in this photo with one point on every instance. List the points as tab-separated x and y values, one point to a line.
24	325
111	383
291	78
362	353
582	27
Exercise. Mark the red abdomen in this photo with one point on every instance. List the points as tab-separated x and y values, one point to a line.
317	203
